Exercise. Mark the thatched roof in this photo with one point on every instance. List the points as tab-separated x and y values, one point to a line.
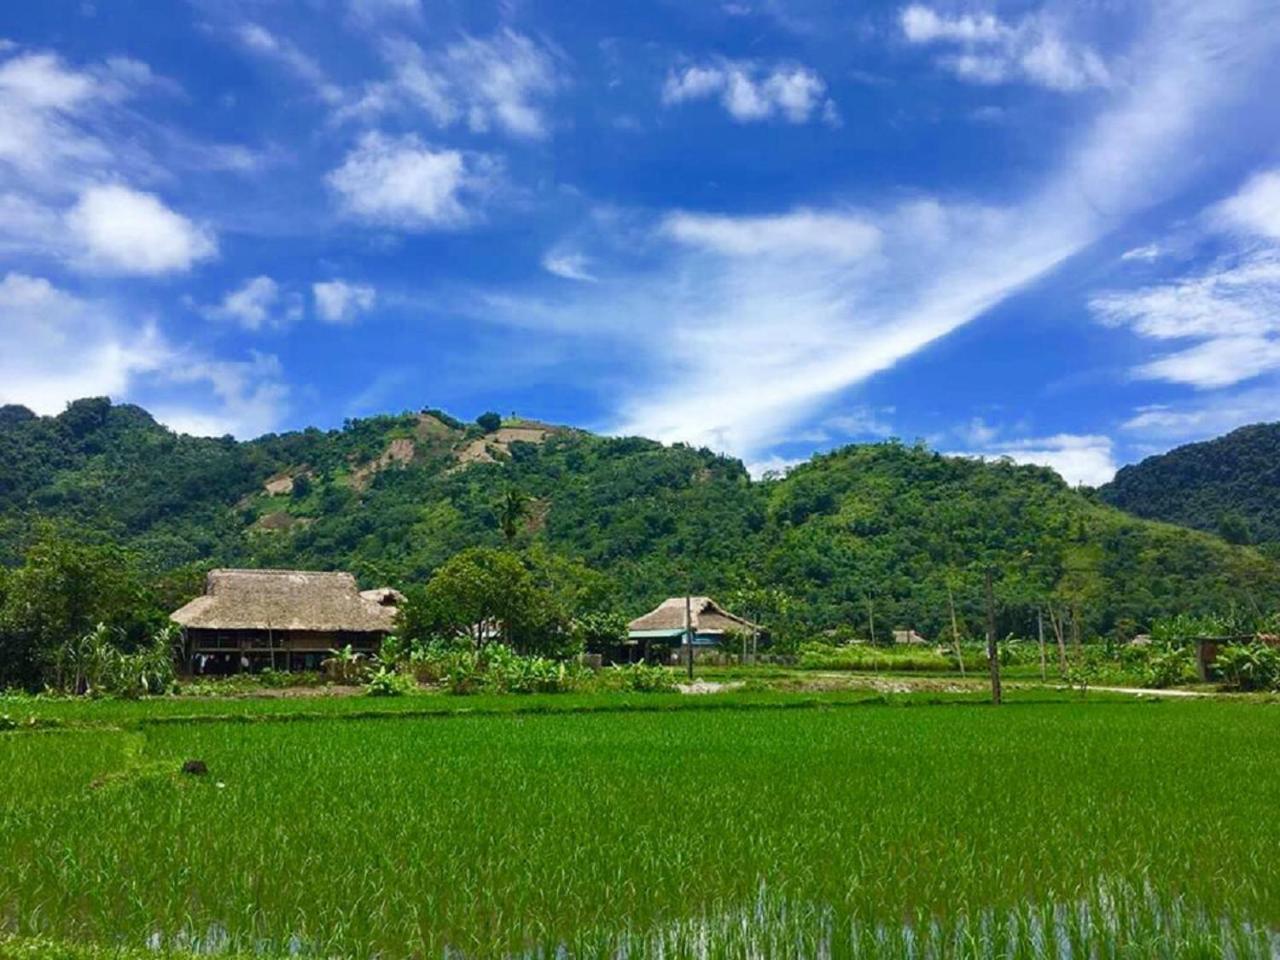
708	617
288	600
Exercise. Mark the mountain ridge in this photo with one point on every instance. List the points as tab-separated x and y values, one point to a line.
888	529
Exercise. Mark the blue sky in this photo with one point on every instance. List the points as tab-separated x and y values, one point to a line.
1049	231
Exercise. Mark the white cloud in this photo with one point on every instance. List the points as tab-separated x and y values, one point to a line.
861	422
376	10
978	432
499	82
991	51
261	41
735	331
773	466
55	347
1209	415
118	230
258	303
569	265
401	182
338	301
249	397
1220	362
752	91
1079	459
1255	209
921	24
800	233
1147	253
50	125
1231	308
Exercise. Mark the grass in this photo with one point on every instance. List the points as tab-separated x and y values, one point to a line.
1111	829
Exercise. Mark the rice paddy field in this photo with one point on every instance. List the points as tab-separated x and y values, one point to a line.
1038	829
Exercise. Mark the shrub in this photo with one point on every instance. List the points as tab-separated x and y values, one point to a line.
639	678
389	683
345	665
1166	667
1250	666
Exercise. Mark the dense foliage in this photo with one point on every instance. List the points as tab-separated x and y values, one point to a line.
859	541
1230	485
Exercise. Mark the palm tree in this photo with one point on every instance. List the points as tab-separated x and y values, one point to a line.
513	508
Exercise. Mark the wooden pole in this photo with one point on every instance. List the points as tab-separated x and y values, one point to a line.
993	655
955	628
688	630
871	618
1044	674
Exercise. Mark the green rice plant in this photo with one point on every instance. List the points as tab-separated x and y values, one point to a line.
1039	829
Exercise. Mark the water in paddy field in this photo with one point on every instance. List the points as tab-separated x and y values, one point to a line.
1114	921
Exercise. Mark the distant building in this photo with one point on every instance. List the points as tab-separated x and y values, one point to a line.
285	619
909	637
662	629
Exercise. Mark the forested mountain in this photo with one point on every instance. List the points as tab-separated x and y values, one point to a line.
1230	485
884	530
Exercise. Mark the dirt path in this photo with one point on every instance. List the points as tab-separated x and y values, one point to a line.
1149	692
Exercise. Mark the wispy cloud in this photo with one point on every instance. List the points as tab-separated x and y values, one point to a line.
338	301
260	41
982	48
739	326
56	347
570	265
70	154
402	182
1077	458
496	83
1204	416
257	304
753	91
1229	312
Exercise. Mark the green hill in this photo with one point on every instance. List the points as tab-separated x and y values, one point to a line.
883	530
1230	485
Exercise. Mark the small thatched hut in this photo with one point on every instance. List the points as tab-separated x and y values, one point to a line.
285	619
665	625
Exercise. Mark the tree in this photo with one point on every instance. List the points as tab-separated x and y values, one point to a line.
64	590
484	595
512	509
489	421
1233	528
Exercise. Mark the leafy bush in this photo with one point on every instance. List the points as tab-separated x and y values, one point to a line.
94	664
639	678
345	665
389	683
1250	666
1168	666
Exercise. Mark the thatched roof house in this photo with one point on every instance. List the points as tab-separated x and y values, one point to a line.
709	620
263	617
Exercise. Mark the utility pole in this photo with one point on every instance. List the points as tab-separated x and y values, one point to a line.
1044	670
993	655
955	627
688	628
871	617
